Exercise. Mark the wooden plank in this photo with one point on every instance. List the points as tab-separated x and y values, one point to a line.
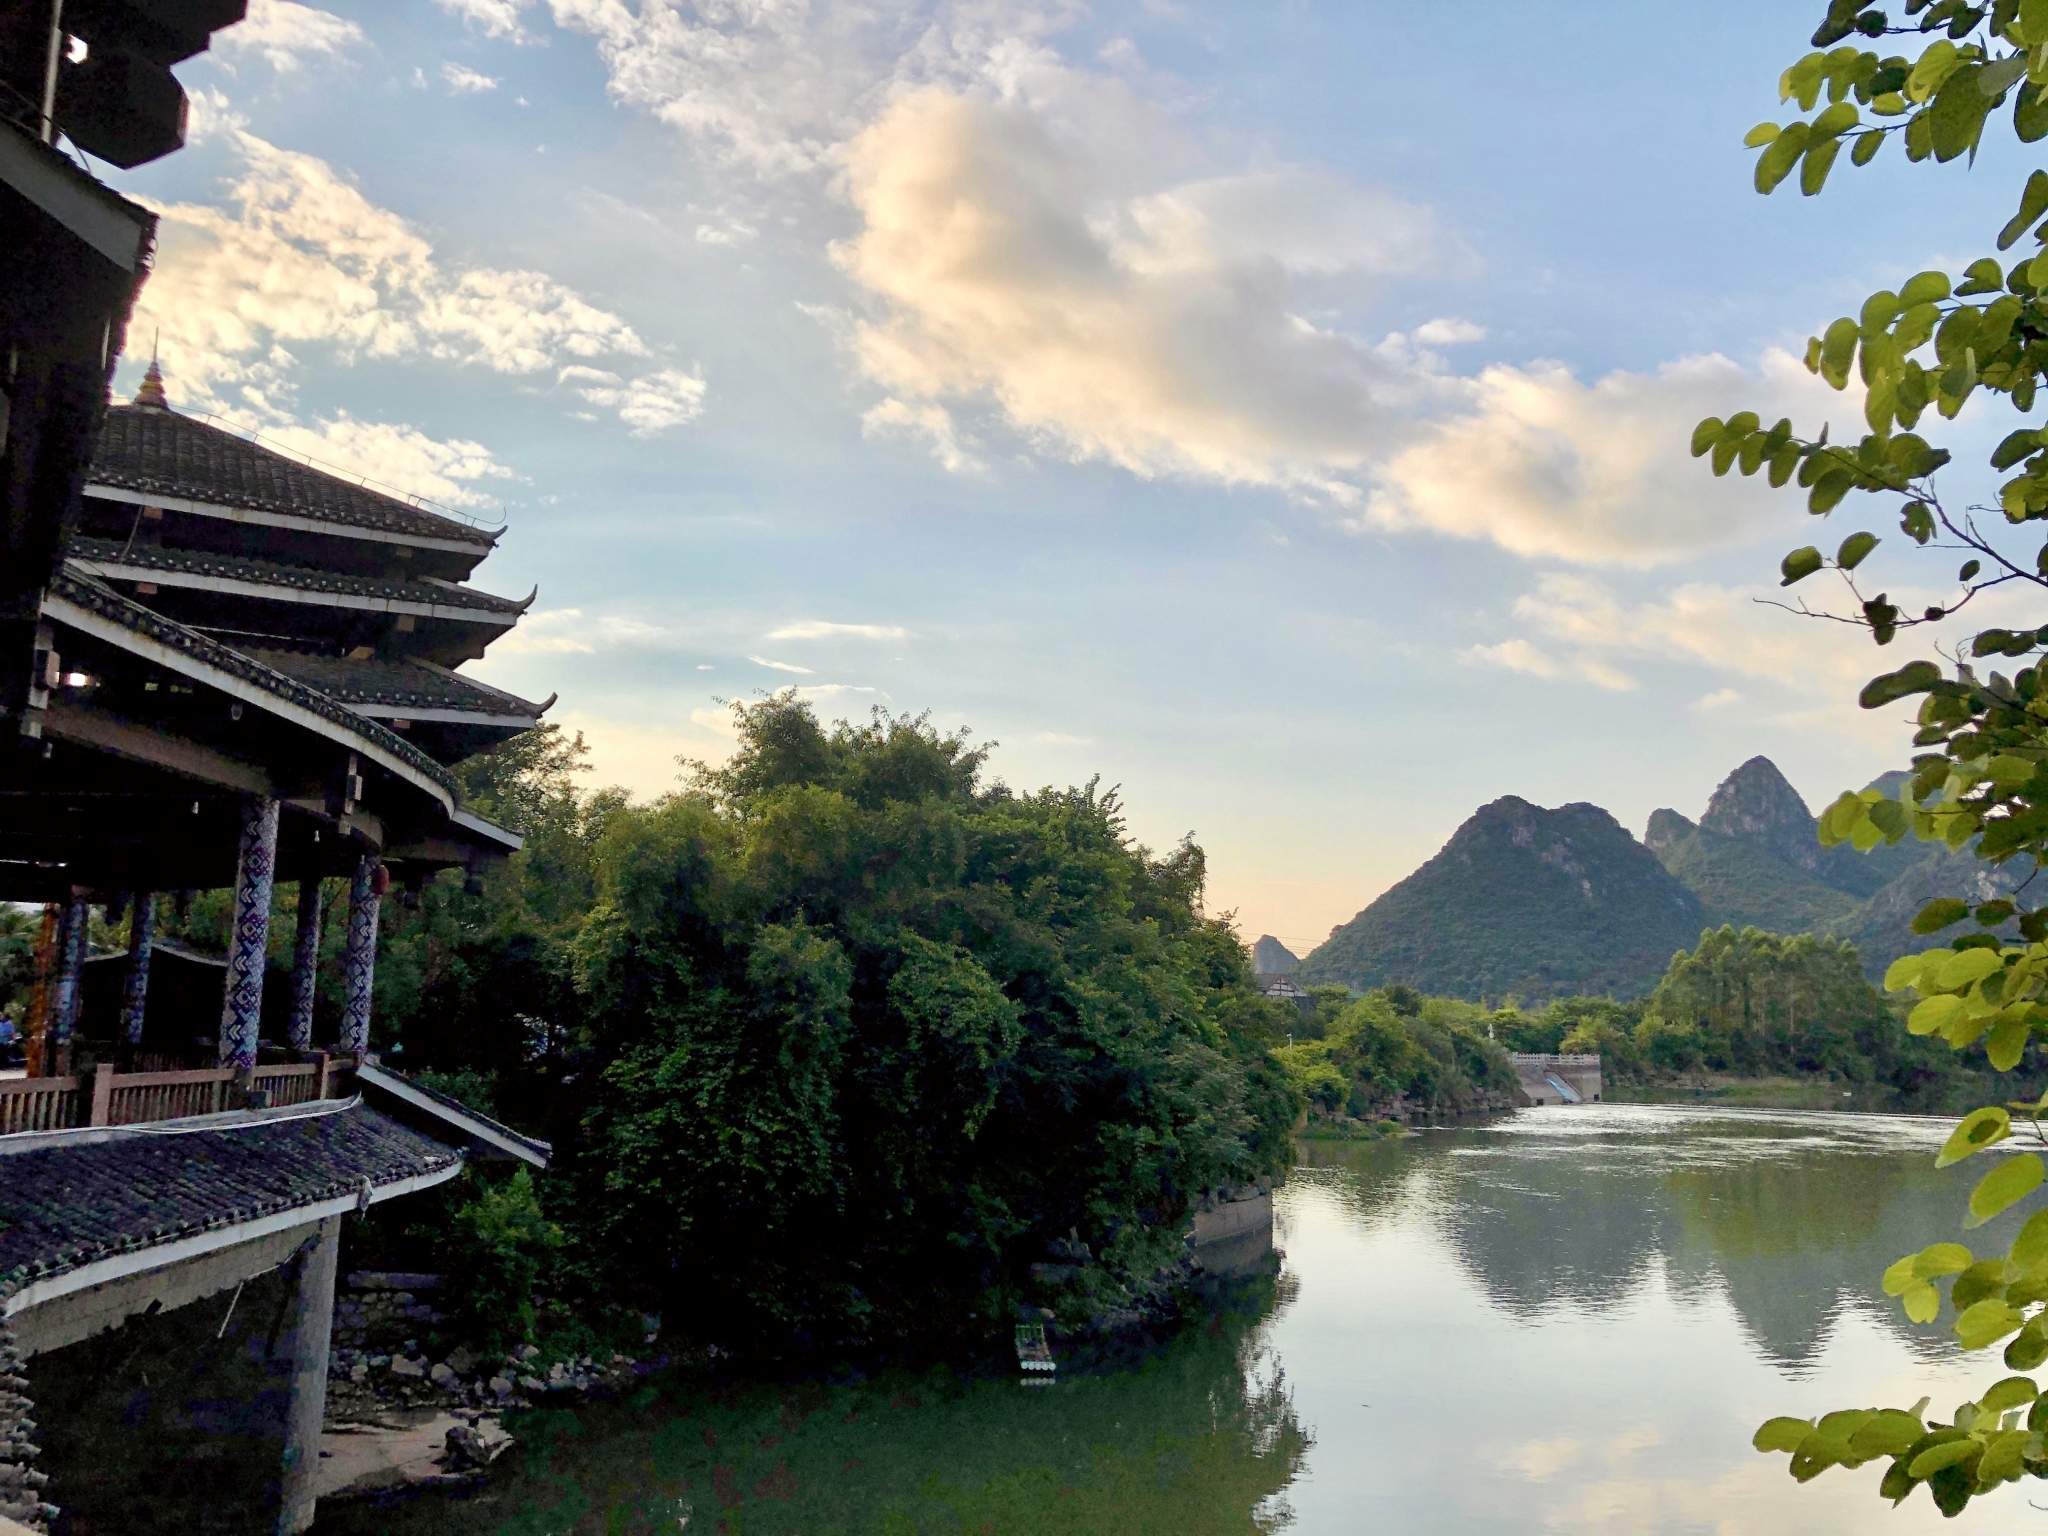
33	1085
172	1079
102	1093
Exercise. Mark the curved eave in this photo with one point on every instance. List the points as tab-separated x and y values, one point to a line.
284	592
298	522
133	628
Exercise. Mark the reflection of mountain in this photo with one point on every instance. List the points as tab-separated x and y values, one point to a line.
1793	1224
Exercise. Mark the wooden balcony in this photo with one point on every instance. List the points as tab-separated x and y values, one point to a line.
106	1096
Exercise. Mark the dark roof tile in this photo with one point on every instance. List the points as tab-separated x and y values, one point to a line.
69	1205
397	684
142	449
272	573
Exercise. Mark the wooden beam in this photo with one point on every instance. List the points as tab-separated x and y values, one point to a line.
69	720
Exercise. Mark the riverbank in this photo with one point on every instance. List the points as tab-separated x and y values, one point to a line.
1821	1093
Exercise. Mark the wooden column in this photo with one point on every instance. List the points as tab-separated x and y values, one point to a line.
360	968
305	966
135	983
312	1321
241	1012
73	942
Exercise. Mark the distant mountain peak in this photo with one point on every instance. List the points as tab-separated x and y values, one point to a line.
1756	800
1666	828
1272	958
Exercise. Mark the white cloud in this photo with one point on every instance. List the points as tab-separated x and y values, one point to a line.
464	81
298	256
929	425
780	666
1547	466
1448	333
210	113
1521	656
652	403
1720	698
284	34
820	629
398	456
1061	739
494	18
570	631
1156	333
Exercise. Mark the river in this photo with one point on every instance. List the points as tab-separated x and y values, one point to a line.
1566	1319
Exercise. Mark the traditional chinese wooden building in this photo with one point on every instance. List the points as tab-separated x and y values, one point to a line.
220	667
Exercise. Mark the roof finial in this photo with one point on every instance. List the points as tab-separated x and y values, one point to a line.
151	396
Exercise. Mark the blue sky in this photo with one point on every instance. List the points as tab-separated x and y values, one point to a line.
1277	410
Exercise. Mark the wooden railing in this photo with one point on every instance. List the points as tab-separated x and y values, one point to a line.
104	1096
39	1104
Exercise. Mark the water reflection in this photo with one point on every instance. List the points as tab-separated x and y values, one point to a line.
1201	1438
1568	1320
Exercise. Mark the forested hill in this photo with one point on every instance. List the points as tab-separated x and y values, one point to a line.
1542	903
1546	904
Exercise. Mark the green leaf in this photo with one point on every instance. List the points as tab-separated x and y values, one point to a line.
2030	1349
1838	350
1889	1432
1966	966
1905	971
1914	677
2016	445
1782	1434
2005	1186
1780	155
1957	116
1899	1275
1854	550
1819	160
1924	288
1922	1302
1986	1323
1865	149
2009	1393
2033	203
2031	1246
1705	435
1762	134
1916	520
1985	276
1938	1259
1829	490
1931	1015
2007	1044
1799	565
1981	1128
1948	1454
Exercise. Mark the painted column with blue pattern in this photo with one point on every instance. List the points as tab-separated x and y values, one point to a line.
305	966
74	940
359	970
135	982
241	1011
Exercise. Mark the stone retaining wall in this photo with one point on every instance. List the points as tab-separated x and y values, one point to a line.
384	1307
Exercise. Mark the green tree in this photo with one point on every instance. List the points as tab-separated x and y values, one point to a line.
1981	778
866	1034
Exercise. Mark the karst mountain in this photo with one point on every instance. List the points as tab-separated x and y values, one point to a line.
1537	903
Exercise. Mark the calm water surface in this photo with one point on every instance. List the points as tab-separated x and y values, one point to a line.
1569	1320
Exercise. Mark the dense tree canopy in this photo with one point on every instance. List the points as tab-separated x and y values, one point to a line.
840	1037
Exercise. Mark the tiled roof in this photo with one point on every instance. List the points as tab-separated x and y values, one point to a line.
452	1112
271	573
178	456
111	605
69	1205
396	684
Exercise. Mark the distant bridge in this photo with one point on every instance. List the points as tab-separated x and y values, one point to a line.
1558	1079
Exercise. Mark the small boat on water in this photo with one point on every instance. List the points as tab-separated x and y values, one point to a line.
1034	1355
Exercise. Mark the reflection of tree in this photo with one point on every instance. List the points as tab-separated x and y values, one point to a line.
1790	1226
1201	1438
